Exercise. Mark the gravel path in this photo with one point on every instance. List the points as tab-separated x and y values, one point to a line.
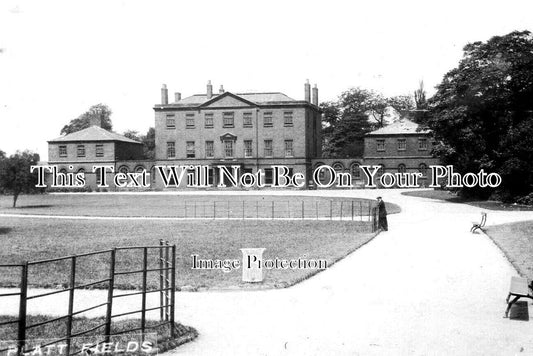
427	286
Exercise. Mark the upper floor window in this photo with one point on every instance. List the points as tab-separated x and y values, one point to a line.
402	144
247	119
228	148
268	148
380	144
209	149
287	118
99	150
356	171
190	149
208	117
227	118
288	148
63	151
248	148
171	122
81	150
189	121
267	119
423	144
171	149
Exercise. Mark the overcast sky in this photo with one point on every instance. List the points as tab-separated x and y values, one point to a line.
57	58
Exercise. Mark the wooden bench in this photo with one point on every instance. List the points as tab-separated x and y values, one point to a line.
479	225
519	289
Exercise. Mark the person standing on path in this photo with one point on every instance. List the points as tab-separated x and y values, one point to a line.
382	214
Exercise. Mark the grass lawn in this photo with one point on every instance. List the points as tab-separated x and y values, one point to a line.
189	206
36	239
452	198
516	241
44	334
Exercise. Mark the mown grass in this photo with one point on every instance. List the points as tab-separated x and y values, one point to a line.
452	198
37	239
190	206
57	330
516	241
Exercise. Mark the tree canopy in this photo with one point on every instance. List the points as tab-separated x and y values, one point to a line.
357	112
147	140
99	113
15	175
482	113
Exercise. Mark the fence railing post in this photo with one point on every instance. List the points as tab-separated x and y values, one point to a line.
22	309
167	279
352	210
161	282
272	209
173	292
109	311
303	209
342	206
316	208
70	303
228	209
331	210
143	308
243	209
214	210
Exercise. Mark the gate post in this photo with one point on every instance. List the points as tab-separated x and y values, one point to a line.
110	294
22	309
173	292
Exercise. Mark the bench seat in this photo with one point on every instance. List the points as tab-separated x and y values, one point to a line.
519	289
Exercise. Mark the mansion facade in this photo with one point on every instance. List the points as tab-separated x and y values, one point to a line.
250	130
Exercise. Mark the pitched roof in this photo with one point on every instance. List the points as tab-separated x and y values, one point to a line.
400	127
258	98
93	133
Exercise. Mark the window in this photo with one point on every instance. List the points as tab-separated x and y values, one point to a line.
380	145
171	149
356	171
190	149
189	121
288	148
81	150
269	175
228	148
248	148
401	168
268	148
422	144
62	151
209	149
423	168
402	144
171	122
287	118
99	150
208	118
228	119
247	119
267	119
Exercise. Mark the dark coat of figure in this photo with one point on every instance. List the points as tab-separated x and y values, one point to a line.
382	214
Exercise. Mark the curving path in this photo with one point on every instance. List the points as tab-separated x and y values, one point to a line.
427	286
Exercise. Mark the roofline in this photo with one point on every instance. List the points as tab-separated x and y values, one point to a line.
91	141
265	105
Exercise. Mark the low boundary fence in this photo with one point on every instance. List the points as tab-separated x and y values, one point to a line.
276	210
166	262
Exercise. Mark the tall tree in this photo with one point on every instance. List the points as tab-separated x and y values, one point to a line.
99	113
420	97
482	113
147	140
15	175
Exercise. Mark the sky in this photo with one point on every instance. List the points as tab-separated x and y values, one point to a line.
58	58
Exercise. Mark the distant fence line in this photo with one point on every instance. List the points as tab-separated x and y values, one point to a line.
166	268
345	210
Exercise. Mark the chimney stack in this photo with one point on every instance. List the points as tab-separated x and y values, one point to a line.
177	97
315	95
307	87
221	90
164	95
96	120
209	90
